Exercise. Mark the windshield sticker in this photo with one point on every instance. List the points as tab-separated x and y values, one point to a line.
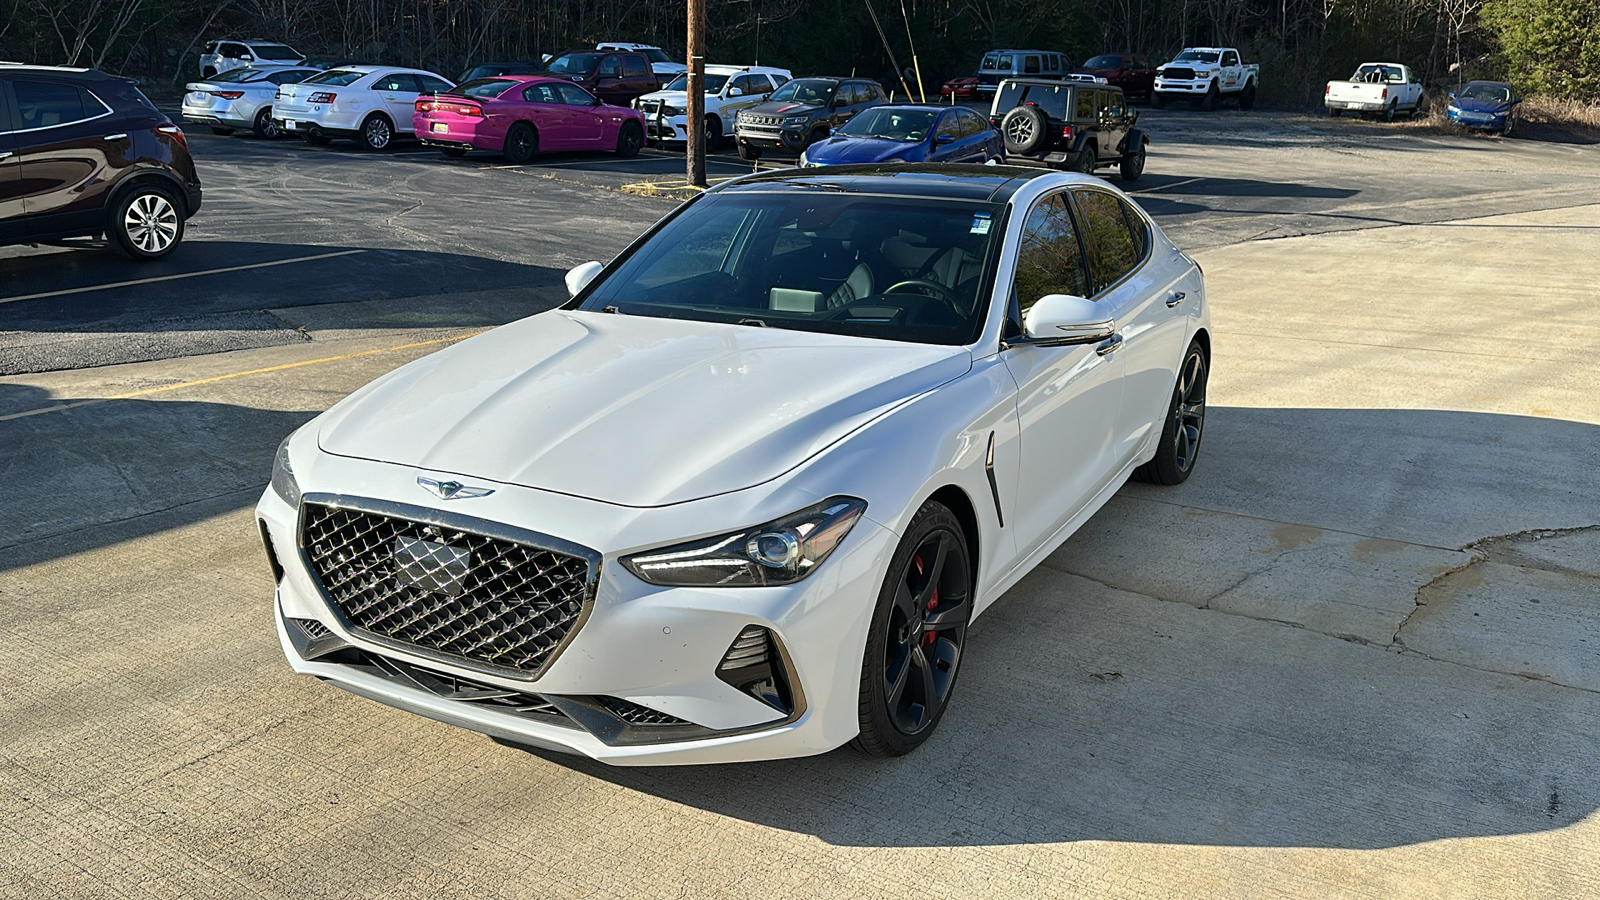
981	223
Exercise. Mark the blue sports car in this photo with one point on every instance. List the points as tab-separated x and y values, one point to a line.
1484	106
909	134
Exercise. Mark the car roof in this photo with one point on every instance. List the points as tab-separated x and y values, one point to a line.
972	183
92	74
1504	84
719	69
368	70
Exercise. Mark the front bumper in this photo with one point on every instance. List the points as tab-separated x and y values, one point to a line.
1476	121
1356	105
1163	86
784	139
658	648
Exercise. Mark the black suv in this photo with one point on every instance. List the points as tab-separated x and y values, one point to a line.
1080	126
802	112
82	154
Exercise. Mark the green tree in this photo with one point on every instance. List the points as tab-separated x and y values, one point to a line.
1549	46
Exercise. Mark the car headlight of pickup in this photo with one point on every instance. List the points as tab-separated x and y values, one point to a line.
795	120
782	551
283	483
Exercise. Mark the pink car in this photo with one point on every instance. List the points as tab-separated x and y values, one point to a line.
520	115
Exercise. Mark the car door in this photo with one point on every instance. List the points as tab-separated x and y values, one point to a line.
982	143
586	115
945	143
1067	397
397	92
1148	298
67	147
1231	70
608	81
638	78
555	121
1113	112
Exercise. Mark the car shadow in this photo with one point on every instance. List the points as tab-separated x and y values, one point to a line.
1089	714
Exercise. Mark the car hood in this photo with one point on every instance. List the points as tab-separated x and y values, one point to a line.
632	410
1100	72
841	149
672	98
1472	104
784	108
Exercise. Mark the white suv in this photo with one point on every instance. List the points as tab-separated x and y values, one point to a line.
664	67
220	56
728	90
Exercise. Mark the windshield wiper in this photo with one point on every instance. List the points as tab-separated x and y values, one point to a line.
757	323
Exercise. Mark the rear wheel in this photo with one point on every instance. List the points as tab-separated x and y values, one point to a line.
263	126
1186	417
522	142
146	222
1247	97
1334	113
377	133
630	139
917	635
221	130
1388	112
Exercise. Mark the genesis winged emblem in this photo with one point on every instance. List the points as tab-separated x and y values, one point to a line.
452	490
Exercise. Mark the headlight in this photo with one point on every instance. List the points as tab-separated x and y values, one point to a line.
795	120
673	110
780	552
283	483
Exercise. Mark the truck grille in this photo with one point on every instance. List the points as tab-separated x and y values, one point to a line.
748	119
1173	73
446	590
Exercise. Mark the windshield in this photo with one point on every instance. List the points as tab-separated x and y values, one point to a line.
484	87
714	83
656	54
575	64
1000	62
815	260
907	125
805	90
275	51
1493	93
337	78
1104	62
1200	56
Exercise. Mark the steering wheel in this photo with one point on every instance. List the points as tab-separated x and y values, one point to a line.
937	290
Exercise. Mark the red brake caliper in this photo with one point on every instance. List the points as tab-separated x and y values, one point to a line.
933	604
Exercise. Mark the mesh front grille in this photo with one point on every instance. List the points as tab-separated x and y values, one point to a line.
634	714
489	601
313	628
1178	74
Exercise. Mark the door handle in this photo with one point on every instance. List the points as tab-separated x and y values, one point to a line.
1110	345
1176	298
116	137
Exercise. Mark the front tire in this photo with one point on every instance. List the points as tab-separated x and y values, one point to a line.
377	133
1184	425
749	154
1087	160
1133	164
917	635
146	222
1209	101
713	134
630	139
1159	101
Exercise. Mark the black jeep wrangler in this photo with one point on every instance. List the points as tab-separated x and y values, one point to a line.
1076	125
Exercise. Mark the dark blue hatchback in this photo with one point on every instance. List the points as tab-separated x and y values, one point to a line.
911	134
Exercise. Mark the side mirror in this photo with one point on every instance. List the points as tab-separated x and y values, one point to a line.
579	276
940	139
1059	320
1452	95
735	92
248	58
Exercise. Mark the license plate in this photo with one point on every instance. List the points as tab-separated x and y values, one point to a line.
440	128
288	124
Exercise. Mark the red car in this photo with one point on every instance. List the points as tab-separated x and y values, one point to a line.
1130	71
961	87
521	115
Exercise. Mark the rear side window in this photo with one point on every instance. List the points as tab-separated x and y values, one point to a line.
292	76
398	81
635	66
1049	260
1030	65
433	85
1085	106
42	104
1113	252
541	93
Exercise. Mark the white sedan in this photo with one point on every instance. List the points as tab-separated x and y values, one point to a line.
240	98
743	495
369	104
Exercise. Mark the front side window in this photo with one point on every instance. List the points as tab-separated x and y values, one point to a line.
797	258
809	91
657	55
1112	250
1114	104
572	95
43	104
1085	106
575	64
1049	259
610	67
1230	58
635	66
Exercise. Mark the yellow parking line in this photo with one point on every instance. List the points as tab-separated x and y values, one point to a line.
214	379
137	281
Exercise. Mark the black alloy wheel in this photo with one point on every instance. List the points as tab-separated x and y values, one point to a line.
713	134
1133	164
264	126
522	143
1023	129
1185	422
917	635
376	133
630	139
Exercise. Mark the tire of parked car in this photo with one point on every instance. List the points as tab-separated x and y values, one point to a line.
376	133
453	152
146	221
1159	101
1023	130
630	139
317	139
1209	101
221	130
1087	159
263	126
1186	417
1133	163
749	154
713	133
1247	97
522	143
917	634
1334	113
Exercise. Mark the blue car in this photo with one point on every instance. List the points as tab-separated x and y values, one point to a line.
945	134
1484	106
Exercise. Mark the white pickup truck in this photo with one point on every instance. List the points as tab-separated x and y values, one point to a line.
1376	87
1204	75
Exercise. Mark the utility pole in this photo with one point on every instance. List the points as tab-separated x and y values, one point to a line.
696	150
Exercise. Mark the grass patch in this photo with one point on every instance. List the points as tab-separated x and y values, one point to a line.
669	190
1567	115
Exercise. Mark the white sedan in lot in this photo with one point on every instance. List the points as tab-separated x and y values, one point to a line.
742	497
240	98
368	104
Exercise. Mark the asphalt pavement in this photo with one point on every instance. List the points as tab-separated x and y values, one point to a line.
1354	656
